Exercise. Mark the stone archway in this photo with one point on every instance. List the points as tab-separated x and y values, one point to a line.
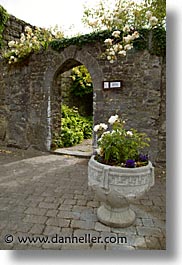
70	57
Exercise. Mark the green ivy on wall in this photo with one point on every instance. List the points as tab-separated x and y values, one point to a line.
60	44
3	19
158	39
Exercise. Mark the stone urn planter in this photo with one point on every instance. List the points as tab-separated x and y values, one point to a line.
115	187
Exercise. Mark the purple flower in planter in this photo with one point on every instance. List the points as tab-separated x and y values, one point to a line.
143	158
130	163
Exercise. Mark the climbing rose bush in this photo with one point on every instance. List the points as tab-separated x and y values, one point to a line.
31	40
121	42
119	146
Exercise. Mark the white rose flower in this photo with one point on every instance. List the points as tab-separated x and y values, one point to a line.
28	29
99	151
108	41
111	61
123	53
128	38
11	43
153	21
116	34
135	35
128	47
129	133
103	126
22	39
148	14
126	28
96	127
113	119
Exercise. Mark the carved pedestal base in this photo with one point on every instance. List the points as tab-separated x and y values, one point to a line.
115	217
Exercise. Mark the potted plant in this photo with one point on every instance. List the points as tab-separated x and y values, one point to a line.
119	172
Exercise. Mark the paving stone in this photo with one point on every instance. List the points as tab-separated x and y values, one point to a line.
49	199
36	211
69	202
65	207
125	231
69	215
52	213
88	215
82	224
66	231
139	242
77	208
81	202
58	222
37	229
79	197
162	241
35	219
146	202
159	223
22	227
93	204
149	231
152	243
101	227
147	222
48	205
52	230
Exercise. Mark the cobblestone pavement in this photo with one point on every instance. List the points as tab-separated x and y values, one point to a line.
47	197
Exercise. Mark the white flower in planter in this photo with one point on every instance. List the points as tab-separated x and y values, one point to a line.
96	127
129	133
113	119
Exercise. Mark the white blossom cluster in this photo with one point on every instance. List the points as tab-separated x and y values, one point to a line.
152	19
115	48
31	40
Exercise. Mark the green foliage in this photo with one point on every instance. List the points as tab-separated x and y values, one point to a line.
74	128
118	145
159	42
60	44
3	19
82	82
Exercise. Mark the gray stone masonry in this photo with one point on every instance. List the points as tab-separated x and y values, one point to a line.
47	195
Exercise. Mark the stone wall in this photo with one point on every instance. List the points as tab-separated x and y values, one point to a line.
13	28
30	98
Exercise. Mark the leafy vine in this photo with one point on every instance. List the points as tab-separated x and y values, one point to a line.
3	19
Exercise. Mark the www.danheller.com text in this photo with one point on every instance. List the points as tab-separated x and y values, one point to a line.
72	239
